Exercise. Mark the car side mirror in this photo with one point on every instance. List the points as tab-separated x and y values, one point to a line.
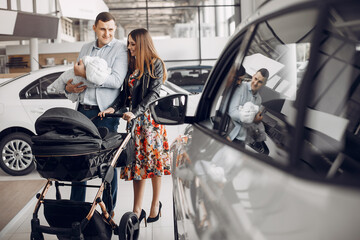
169	110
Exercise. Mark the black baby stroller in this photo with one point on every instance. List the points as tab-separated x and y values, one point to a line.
69	147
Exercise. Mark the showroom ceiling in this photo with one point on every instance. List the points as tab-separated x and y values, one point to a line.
162	15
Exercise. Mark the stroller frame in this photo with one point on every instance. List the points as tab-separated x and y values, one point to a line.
128	228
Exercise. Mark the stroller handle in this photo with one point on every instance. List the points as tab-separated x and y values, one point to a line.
114	115
130	126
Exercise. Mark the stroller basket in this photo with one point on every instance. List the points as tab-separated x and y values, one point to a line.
62	214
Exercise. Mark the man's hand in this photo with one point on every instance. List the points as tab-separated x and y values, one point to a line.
74	88
258	117
79	69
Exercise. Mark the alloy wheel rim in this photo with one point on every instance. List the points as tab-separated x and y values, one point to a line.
17	155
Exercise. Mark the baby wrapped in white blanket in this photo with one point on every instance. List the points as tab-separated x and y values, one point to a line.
255	131
97	72
247	112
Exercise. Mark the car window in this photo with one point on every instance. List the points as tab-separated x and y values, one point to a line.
38	88
280	45
32	93
45	82
332	123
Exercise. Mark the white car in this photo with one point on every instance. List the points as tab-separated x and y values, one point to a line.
22	101
306	185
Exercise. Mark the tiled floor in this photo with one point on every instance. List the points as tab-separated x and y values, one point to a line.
19	227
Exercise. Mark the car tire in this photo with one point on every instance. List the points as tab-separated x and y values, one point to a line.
16	154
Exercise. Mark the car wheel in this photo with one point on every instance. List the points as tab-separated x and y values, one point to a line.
16	154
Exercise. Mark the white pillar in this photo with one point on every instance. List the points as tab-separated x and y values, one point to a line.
59	33
34	54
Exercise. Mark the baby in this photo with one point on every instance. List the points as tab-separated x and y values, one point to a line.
97	71
255	131
247	112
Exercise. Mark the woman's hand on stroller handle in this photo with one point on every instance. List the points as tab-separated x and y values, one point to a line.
128	116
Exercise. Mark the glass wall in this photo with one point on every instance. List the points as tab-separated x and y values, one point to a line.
41	6
184	32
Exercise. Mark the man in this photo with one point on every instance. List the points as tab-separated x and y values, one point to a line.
92	100
244	93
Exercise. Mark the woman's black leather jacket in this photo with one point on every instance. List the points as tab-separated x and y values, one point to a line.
145	91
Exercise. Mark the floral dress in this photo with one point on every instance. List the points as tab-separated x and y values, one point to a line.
152	156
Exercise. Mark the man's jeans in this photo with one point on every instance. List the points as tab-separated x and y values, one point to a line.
78	192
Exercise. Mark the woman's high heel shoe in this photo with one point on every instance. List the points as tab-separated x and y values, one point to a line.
154	219
143	216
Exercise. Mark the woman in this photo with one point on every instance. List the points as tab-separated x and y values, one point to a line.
146	74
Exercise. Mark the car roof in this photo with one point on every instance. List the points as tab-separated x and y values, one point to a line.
39	72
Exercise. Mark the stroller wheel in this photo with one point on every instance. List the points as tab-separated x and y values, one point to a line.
129	228
36	236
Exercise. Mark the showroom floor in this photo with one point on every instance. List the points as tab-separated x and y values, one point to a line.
18	227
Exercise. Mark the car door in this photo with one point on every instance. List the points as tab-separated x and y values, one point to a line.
223	190
36	99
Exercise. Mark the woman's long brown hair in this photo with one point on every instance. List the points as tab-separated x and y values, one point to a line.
146	53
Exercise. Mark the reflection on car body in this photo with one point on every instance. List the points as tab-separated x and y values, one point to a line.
308	187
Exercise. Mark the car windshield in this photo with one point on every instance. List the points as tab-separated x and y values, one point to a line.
190	78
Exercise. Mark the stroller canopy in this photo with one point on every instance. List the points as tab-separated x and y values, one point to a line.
69	147
64	131
65	120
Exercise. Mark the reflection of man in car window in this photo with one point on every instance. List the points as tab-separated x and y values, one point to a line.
244	105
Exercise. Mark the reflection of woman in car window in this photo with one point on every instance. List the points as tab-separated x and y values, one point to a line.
245	104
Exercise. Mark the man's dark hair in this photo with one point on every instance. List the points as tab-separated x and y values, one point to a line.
264	72
104	16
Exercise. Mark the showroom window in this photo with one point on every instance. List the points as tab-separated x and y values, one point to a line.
195	33
37	6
